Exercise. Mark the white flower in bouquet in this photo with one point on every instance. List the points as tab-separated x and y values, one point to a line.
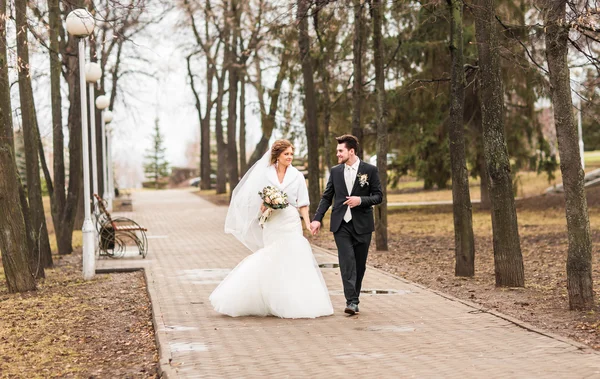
272	199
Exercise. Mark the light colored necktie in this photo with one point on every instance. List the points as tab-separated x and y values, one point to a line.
348	180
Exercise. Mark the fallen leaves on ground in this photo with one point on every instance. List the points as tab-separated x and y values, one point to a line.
74	328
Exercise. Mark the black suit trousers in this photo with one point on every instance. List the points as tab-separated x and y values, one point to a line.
353	249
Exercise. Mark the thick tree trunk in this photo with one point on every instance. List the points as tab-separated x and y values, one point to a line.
42	254
310	105
323	69
58	196
14	244
381	222
579	259
357	76
508	260
221	146
484	184
464	241
13	234
233	79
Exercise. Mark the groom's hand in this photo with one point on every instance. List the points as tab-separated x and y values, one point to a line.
352	201
314	227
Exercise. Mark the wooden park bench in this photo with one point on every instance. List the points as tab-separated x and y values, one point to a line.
115	234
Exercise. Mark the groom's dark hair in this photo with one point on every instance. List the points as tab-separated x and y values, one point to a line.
349	140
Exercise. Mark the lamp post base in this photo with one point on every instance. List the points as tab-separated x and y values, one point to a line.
89	255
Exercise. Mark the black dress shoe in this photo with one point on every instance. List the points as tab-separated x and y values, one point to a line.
351	309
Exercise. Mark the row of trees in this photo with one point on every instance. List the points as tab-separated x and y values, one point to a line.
24	240
452	87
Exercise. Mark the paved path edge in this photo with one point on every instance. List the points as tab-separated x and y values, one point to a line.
520	323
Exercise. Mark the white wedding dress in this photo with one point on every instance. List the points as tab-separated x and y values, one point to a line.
281	278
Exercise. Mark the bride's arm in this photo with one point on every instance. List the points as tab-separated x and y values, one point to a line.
304	213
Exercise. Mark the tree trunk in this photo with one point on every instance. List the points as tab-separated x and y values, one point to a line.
310	105
233	79
57	197
381	223
243	164
484	184
323	69
14	245
13	234
205	170
579	259
42	255
69	52
508	260
464	241
357	76
221	146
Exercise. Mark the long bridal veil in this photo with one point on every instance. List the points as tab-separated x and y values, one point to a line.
244	207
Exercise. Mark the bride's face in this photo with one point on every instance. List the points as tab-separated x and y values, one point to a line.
286	157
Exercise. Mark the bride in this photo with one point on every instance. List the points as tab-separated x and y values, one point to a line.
281	277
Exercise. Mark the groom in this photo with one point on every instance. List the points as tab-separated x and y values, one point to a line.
353	188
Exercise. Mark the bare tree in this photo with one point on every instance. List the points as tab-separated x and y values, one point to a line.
267	116
310	104
14	244
231	61
464	241
579	259
508	260
206	44
381	231
357	75
43	254
221	145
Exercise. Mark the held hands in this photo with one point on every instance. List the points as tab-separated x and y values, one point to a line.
352	201
314	227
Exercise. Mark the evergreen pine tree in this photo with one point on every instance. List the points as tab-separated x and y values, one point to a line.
156	166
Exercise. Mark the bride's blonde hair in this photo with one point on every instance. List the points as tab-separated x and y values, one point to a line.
279	147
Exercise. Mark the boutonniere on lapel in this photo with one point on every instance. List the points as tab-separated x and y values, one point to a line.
363	179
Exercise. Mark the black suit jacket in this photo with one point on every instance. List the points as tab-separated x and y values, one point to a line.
336	192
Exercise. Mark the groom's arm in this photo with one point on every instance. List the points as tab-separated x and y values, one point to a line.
376	196
326	200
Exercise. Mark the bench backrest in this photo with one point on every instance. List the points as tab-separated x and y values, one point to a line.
100	203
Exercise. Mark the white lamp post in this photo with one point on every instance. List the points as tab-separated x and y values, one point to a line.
80	23
102	103
93	73
108	117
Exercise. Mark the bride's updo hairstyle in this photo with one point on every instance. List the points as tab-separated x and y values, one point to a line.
279	147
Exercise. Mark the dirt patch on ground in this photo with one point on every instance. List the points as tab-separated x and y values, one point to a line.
213	197
421	249
75	328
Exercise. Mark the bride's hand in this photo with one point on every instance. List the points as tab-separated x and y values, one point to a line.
262	208
307	225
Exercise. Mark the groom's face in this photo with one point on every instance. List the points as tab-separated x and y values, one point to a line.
343	154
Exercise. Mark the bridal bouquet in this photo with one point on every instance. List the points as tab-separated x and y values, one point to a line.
272	199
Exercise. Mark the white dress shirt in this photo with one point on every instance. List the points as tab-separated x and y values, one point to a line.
350	173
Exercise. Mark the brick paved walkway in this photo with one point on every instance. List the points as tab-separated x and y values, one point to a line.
413	333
